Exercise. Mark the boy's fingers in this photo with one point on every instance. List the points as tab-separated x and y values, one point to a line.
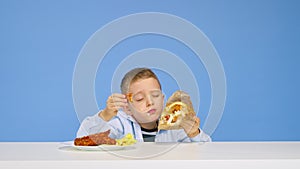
117	105
116	97
120	104
190	124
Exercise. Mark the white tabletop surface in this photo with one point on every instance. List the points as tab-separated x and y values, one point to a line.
210	155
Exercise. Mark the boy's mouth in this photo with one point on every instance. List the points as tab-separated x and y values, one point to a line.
151	111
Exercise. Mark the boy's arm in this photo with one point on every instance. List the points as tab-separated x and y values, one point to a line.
91	125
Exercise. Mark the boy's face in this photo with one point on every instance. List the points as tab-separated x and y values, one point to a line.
147	100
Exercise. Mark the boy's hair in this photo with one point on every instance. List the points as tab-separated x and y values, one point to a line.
135	75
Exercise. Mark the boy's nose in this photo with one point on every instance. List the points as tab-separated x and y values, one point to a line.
149	101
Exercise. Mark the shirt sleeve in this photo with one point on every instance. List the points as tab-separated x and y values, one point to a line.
180	136
92	125
202	137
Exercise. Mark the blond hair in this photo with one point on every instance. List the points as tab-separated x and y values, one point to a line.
135	75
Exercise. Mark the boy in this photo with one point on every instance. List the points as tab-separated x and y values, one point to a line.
139	113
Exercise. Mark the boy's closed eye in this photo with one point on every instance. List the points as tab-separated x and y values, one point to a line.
138	98
156	94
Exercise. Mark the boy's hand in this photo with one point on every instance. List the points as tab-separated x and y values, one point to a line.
191	126
114	102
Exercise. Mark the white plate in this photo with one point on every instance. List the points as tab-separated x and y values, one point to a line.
100	148
96	148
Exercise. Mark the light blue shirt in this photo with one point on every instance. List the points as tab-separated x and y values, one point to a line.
122	124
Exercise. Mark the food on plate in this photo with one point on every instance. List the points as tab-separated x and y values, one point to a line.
103	138
127	140
173	114
95	139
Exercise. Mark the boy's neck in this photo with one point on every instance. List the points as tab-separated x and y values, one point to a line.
149	126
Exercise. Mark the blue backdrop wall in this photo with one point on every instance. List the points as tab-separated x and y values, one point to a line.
257	42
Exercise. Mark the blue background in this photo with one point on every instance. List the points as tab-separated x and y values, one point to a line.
257	41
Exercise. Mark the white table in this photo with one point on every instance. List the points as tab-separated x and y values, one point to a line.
153	155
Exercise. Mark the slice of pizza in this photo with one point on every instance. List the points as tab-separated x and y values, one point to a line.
172	115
